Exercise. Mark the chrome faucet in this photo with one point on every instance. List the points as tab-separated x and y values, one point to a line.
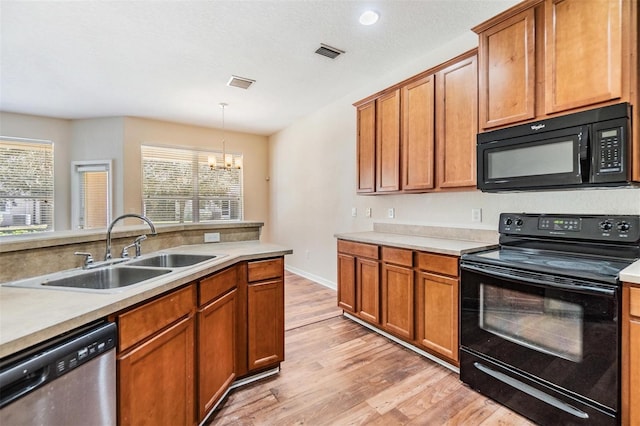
107	255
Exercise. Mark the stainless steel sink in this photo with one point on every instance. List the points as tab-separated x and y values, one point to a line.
104	280
171	260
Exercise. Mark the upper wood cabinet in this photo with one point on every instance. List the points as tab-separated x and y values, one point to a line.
547	57
425	131
366	147
418	134
388	142
457	123
507	75
583	53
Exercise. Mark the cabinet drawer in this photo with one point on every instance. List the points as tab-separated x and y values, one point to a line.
146	320
358	249
438	263
634	301
397	256
265	269
217	285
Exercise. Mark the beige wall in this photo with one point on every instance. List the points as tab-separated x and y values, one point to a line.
313	185
151	132
119	139
59	132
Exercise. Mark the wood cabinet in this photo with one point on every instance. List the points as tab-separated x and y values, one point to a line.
425	131
545	57
398	294
457	123
265	313
366	148
631	354
216	344
418	134
359	280
410	294
155	361
388	142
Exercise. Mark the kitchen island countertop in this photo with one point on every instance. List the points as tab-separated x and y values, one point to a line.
31	316
631	274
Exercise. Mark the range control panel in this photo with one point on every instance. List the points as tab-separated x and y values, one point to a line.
624	228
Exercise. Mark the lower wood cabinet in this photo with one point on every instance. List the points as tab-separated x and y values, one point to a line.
410	294
217	318
265	314
156	372
631	354
438	314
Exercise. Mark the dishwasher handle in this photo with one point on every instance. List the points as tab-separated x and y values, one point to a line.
50	362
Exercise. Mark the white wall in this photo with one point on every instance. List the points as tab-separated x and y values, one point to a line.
59	132
313	184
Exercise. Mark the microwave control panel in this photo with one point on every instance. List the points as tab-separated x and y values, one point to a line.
609	152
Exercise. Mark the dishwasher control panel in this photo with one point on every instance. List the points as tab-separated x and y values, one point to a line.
85	353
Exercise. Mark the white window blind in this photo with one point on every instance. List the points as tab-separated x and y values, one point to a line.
178	186
26	186
91	194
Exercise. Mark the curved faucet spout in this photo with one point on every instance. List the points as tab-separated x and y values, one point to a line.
107	254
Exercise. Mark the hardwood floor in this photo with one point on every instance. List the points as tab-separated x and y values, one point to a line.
337	372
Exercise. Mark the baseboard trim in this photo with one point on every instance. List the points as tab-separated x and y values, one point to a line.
329	284
403	343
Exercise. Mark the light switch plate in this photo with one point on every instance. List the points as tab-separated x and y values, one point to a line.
212	237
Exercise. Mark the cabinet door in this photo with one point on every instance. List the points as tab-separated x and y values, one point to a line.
156	379
368	289
634	372
507	71
398	300
388	142
418	134
457	123
216	350
366	148
583	53
347	282
265	313
438	314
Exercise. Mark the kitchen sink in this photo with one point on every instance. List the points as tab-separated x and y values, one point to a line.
171	260
108	280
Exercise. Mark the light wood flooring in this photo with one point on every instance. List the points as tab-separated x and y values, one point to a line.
337	372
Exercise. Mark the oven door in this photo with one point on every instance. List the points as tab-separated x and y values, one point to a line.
547	160
561	332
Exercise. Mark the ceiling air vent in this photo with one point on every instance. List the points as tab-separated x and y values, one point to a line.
328	51
240	82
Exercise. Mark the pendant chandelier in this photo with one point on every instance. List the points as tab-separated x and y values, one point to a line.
228	162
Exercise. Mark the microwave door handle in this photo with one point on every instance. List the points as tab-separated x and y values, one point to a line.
584	162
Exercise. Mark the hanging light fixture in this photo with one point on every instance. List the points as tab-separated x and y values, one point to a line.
228	162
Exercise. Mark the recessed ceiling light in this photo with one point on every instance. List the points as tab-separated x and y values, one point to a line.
369	17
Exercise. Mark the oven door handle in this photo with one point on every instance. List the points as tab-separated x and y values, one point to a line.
542	279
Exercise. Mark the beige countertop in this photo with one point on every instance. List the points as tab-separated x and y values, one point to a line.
631	274
454	247
31	316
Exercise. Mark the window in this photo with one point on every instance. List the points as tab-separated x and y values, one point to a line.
90	194
178	186
26	186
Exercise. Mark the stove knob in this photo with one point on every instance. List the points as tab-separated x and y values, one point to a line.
623	226
606	226
508	221
519	222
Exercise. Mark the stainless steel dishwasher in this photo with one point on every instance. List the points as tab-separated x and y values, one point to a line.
70	380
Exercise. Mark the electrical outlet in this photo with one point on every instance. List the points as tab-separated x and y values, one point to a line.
307	254
354	212
212	237
476	215
368	212
392	213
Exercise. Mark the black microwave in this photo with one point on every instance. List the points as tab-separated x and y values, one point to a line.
587	149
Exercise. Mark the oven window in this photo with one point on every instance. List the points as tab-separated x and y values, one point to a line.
548	159
538	321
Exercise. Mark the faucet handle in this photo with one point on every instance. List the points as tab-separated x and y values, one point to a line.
136	244
88	258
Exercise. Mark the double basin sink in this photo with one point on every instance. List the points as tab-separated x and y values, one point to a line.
115	277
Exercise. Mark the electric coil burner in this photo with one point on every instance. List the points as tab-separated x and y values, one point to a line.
539	317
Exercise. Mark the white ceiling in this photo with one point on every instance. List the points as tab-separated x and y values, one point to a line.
171	60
